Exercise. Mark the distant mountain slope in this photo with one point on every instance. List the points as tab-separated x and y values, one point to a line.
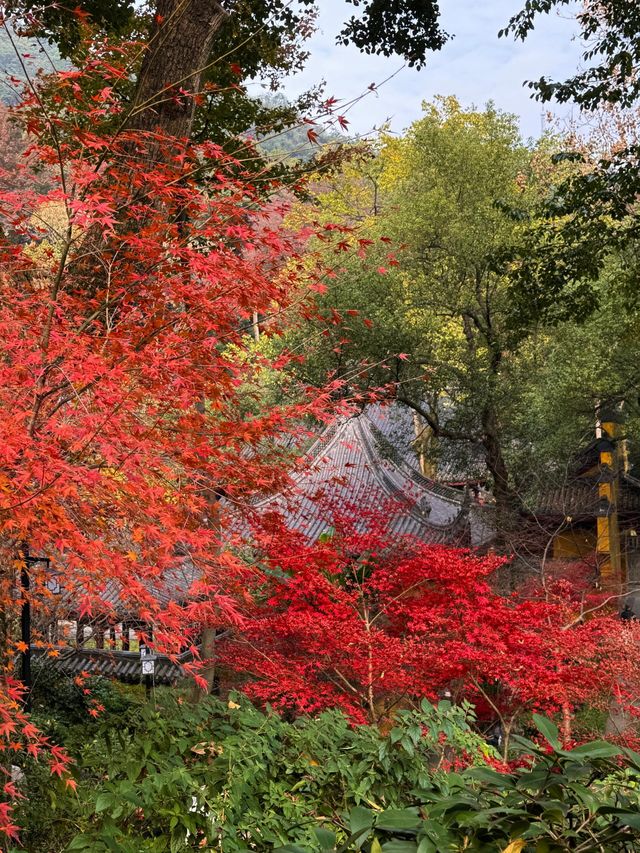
293	142
26	54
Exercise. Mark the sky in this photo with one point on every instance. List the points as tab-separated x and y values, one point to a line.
474	65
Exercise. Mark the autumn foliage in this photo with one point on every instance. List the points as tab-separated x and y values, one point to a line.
125	283
132	265
370	622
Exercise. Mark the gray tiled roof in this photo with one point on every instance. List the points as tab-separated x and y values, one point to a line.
347	468
173	585
454	461
125	666
579	498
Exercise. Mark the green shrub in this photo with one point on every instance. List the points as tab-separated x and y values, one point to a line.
59	703
165	778
227	777
585	799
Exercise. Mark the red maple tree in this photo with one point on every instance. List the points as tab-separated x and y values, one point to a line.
127	286
369	622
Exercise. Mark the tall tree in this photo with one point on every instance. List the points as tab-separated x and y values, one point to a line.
437	307
186	43
118	315
182	37
176	53
446	180
594	211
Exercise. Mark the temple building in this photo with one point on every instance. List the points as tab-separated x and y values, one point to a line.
369	460
376	459
593	512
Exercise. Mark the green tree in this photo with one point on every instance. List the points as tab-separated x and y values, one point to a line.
594	211
573	366
441	330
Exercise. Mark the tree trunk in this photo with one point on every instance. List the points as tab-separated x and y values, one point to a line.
178	50
208	671
505	497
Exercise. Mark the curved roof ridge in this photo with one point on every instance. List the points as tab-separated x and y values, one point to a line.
447	493
346	465
319	448
326	437
387	485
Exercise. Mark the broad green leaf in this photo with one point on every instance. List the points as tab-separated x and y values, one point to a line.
631	819
407	820
492	777
326	838
632	756
595	749
79	843
358	838
548	729
399	846
103	802
290	848
359	818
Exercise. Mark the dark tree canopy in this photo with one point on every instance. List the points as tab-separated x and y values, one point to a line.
407	28
212	47
61	24
593	211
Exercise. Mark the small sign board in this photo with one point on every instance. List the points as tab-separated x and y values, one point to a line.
53	584
147	661
148	666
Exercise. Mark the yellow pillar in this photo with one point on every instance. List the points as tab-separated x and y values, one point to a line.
611	463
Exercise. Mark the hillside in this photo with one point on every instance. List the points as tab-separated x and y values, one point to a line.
19	55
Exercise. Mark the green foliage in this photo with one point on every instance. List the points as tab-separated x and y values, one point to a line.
407	28
62	25
434	193
566	370
581	799
56	696
503	302
592	212
259	41
61	709
46	816
430	308
163	778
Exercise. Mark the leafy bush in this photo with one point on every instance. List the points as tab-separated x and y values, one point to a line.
61	709
167	777
61	698
584	799
227	777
